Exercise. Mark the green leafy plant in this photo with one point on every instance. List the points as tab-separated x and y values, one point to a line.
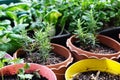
9	36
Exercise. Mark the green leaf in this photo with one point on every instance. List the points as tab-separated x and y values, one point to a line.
19	28
4	39
2	54
26	66
12	15
52	16
25	76
21	71
18	6
22	17
28	76
5	23
15	36
1	64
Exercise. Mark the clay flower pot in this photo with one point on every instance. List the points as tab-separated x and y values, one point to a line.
102	65
82	54
59	68
43	70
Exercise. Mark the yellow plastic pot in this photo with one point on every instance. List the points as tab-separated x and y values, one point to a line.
103	65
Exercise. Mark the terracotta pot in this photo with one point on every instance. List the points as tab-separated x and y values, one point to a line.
44	71
82	54
59	68
103	65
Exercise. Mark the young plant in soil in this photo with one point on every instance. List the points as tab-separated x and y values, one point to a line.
96	75
87	35
39	50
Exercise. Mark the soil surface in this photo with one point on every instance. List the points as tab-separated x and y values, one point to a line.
98	49
96	75
15	77
52	59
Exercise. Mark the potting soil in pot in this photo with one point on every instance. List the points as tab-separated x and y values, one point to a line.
98	49
96	75
52	59
15	77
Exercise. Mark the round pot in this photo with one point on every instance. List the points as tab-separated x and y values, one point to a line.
43	70
103	65
112	32
59	68
82	54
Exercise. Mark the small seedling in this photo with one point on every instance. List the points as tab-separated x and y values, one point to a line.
21	74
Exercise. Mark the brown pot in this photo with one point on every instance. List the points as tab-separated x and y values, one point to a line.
59	68
43	70
79	53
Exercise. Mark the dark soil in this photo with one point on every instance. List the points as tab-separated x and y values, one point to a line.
98	49
35	58
15	77
96	75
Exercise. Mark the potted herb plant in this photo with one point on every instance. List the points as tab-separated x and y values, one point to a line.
93	69
26	71
41	51
86	38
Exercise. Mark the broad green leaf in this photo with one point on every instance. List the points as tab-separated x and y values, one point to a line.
19	28
15	36
5	22
4	39
12	15
52	16
18	6
2	54
23	17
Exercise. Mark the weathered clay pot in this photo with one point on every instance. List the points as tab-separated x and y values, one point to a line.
43	70
82	54
59	68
